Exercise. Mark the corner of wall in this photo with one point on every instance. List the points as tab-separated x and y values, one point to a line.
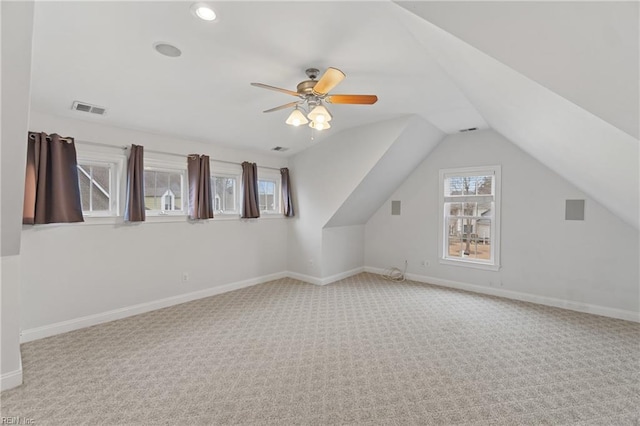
11	379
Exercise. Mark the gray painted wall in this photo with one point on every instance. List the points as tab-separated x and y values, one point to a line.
592	262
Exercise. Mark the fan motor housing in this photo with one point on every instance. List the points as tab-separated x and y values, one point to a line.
306	87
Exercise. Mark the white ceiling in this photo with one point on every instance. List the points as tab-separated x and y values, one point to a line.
585	51
101	53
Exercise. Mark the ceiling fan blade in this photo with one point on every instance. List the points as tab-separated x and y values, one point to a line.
352	99
329	80
277	89
278	108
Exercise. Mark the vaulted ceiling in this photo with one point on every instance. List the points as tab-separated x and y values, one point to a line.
559	79
587	52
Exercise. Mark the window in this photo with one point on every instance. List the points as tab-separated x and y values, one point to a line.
470	206
269	192
164	189
99	179
224	188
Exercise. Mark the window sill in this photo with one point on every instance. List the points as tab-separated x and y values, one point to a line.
101	220
88	221
264	215
470	264
225	216
163	219
119	220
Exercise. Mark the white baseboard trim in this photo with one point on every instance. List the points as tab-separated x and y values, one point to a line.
12	379
89	320
342	275
303	277
326	280
525	297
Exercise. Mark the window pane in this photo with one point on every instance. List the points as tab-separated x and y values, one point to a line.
478	245
454	232
484	209
267	195
95	187
485	185
470	209
100	200
162	190
454	209
469	185
224	193
229	195
100	175
85	189
454	186
469	238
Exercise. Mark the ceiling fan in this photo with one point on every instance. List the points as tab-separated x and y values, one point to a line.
312	94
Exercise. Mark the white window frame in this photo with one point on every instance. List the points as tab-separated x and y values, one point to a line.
274	176
229	173
115	163
166	166
494	263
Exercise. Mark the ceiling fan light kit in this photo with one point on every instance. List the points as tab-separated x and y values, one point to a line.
296	118
312	93
319	114
319	126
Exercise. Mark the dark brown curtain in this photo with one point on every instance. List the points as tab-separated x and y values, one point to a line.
134	204
250	201
287	203
51	192
200	205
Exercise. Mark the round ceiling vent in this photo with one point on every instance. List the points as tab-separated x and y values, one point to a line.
167	49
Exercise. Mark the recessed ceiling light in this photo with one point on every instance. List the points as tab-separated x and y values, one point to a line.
167	49
203	11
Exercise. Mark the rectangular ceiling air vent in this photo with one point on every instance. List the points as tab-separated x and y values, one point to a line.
85	107
470	129
279	148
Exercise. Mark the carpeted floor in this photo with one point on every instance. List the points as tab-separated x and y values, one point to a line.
360	351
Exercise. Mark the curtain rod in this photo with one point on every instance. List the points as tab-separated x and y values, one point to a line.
125	147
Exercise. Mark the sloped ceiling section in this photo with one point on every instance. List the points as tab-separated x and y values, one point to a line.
408	150
585	51
594	155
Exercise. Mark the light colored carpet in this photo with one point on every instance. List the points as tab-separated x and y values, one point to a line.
360	351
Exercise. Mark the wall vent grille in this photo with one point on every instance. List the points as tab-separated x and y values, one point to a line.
85	107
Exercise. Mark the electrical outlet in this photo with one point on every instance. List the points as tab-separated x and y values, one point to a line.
185	277
424	263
